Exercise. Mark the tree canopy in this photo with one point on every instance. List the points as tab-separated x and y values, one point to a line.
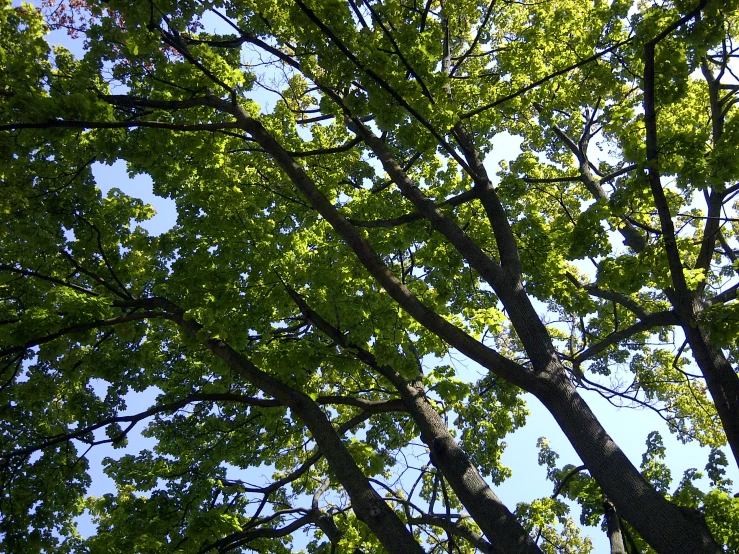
335	247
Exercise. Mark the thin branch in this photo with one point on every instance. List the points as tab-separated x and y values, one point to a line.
405	62
60	123
618	173
126	100
724	296
456	529
657	319
458	200
108	265
632	237
371	406
31	273
474	42
80	269
608	394
622	299
80	328
136	418
289	478
543	80
242	538
381	82
566	478
323	151
175	41
572	179
726	247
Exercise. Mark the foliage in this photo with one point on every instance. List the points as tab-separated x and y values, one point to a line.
339	238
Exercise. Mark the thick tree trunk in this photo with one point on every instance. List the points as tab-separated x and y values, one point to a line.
667	528
662	524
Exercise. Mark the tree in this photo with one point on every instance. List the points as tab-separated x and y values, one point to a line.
330	252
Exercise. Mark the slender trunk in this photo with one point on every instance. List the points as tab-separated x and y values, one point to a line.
715	198
497	523
368	505
721	379
613	528
722	382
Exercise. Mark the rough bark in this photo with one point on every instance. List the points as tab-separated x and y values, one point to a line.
495	520
369	506
666	528
613	528
499	525
629	491
721	379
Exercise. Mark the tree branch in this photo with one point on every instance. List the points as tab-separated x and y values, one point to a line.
59	123
632	237
543	80
725	296
134	419
618	298
456	529
650	124
369	406
381	82
323	151
80	328
368	505
457	200
474	42
373	263
405	62
657	319
31	273
566	478
495	520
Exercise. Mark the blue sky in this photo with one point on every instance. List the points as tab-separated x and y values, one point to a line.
628	427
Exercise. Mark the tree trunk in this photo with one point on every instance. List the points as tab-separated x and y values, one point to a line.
499	525
661	524
667	528
613	528
721	380
369	506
